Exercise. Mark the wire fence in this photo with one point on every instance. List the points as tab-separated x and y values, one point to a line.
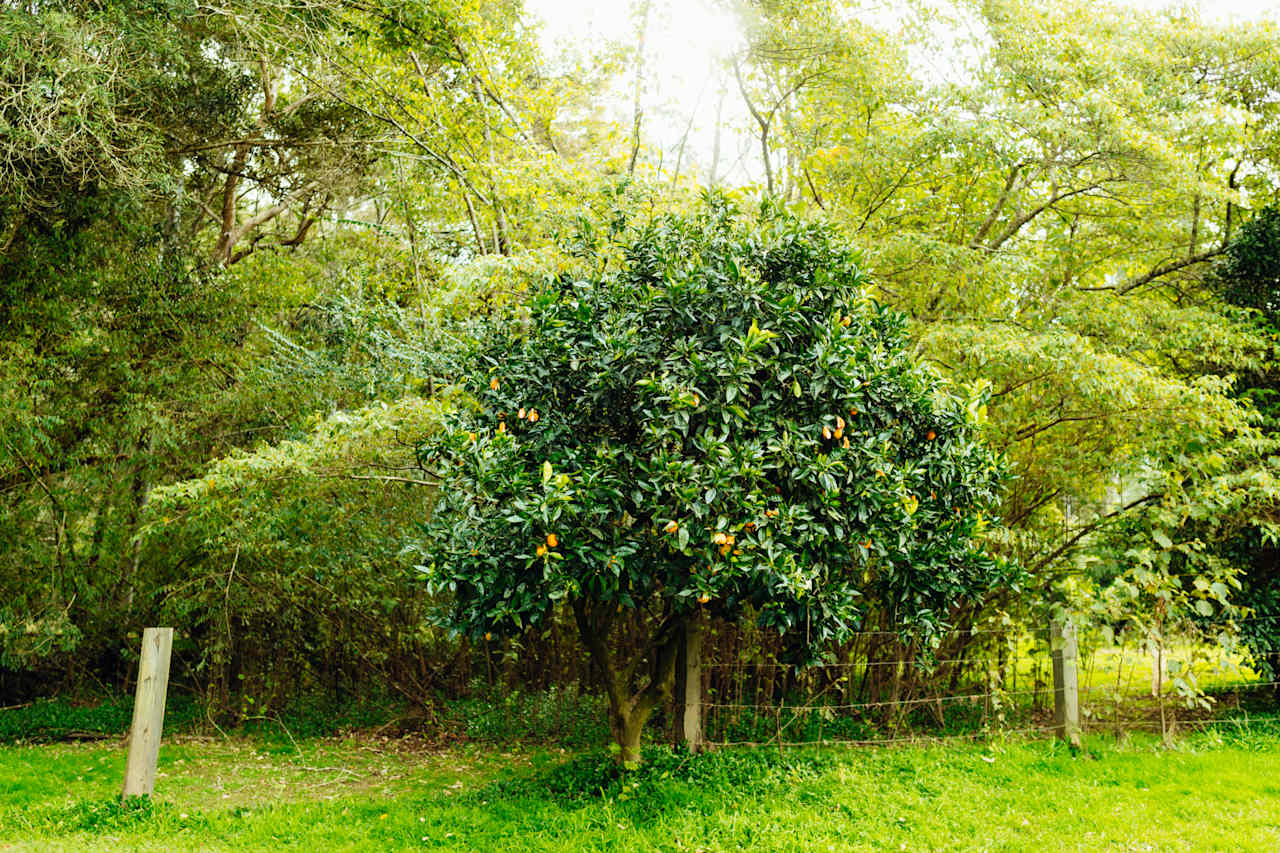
983	684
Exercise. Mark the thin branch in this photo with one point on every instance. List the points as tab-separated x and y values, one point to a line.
1018	222
1087	529
387	478
999	206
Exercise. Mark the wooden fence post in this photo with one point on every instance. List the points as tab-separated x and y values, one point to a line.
1066	685
148	713
691	699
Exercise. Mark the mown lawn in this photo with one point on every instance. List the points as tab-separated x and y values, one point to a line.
1209	792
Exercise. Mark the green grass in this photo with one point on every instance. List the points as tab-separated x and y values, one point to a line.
1216	790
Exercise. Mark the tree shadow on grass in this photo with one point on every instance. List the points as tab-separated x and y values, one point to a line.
669	779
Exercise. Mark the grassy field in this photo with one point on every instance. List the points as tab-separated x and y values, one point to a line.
1212	791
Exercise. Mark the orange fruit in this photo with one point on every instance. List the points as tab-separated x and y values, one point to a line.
520	414
552	541
502	426
839	433
493	383
826	433
671	527
533	416
930	435
839	424
704	598
487	636
845	444
541	550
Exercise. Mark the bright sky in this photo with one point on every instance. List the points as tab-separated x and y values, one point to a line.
685	41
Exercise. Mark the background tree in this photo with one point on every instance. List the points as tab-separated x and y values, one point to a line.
224	225
1042	188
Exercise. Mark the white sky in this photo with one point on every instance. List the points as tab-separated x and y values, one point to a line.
685	41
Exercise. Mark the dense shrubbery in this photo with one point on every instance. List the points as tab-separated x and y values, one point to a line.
1249	277
93	717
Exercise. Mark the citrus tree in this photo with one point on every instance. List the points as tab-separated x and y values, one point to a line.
708	417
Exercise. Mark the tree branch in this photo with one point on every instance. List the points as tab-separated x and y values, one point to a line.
1087	529
1018	222
990	221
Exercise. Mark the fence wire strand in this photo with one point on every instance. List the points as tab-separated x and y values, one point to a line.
784	701
912	739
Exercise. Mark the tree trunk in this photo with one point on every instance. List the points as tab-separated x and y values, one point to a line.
626	725
629	710
715	146
637	108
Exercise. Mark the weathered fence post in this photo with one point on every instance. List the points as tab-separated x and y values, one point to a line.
1066	685
691	698
148	713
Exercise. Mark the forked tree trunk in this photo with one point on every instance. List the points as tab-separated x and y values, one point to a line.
629	710
627	725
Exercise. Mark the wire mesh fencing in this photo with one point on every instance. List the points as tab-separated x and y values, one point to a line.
879	689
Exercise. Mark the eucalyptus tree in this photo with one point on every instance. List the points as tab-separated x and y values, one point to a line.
501	139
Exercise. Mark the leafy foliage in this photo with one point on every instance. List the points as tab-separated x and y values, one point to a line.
1249	276
716	419
64	719
243	245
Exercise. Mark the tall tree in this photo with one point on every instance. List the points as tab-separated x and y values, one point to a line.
1047	213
